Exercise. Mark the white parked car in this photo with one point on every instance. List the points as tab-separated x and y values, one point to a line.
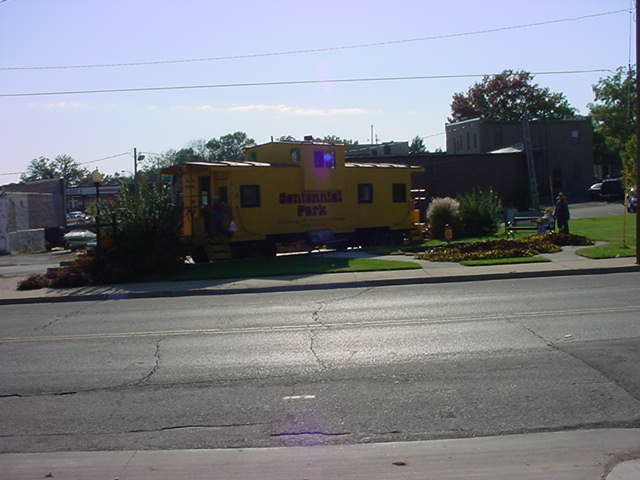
77	239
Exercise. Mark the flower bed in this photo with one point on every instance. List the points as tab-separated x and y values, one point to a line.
522	247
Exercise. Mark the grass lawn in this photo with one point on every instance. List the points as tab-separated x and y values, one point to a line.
503	261
607	229
606	251
284	265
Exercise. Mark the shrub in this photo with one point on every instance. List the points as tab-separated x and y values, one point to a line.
443	211
479	212
147	239
33	282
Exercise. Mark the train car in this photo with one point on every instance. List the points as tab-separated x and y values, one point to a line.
288	196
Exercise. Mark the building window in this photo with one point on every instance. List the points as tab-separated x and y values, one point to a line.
249	196
252	156
295	154
387	149
399	192
322	159
365	193
575	137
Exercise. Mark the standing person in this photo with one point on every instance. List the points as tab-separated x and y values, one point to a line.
561	213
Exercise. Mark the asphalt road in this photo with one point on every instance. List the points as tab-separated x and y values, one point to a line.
27	264
322	367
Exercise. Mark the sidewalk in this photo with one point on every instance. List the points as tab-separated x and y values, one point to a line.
562	264
567	455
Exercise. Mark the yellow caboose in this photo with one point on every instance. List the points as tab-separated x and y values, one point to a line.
291	195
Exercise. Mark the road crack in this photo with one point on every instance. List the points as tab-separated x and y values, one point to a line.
324	434
155	367
195	425
59	318
313	333
558	349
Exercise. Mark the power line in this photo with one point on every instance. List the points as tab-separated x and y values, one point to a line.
285	82
80	163
319	50
105	158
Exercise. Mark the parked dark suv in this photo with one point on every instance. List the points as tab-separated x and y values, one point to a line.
612	190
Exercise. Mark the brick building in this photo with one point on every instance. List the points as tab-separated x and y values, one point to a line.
562	149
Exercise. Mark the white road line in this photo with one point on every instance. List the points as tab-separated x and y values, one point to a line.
299	397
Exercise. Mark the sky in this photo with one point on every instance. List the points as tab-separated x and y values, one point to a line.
36	33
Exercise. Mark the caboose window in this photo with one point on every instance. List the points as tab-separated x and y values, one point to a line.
399	192
322	159
249	195
295	154
204	188
365	193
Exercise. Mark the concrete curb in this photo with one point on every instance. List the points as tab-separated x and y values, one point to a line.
324	286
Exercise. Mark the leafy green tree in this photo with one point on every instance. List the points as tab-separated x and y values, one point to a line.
417	146
154	163
228	147
286	138
336	139
148	238
62	166
506	96
613	115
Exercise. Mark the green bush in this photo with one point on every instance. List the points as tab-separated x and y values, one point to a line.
479	212
147	238
443	211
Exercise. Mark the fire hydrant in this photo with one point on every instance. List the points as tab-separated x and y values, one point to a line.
448	232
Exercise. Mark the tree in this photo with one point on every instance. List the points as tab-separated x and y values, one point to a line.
417	146
336	139
154	163
613	115
229	147
62	166
286	138
506	96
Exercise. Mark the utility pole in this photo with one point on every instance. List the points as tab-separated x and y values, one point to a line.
372	134
531	166
135	165
637	132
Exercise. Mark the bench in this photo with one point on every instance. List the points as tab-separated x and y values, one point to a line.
526	223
